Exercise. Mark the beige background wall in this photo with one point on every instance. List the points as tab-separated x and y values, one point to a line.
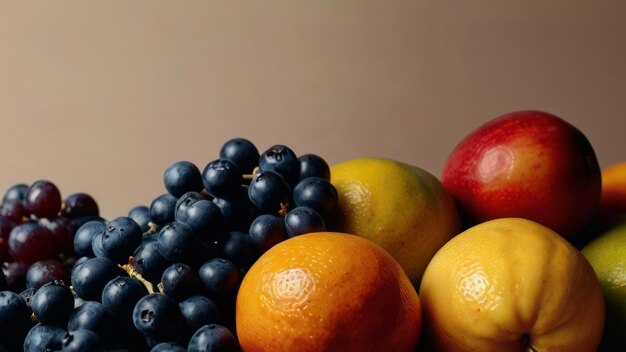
102	96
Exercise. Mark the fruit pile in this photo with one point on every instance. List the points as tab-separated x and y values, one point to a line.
277	252
164	276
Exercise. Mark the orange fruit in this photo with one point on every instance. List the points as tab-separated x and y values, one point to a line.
511	285
400	207
614	188
327	292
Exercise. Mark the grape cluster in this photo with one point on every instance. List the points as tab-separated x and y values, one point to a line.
165	276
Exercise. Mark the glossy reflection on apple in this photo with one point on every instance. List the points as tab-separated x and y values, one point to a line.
527	164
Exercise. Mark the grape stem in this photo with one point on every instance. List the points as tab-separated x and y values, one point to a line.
251	176
132	272
152	229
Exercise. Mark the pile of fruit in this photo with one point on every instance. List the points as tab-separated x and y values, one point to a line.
518	246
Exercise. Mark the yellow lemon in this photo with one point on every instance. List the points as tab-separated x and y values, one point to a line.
511	285
400	207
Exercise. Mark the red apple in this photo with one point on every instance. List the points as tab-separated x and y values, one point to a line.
527	164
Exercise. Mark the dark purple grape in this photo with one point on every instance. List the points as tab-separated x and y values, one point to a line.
15	193
242	152
27	295
180	281
14	210
92	316
6	225
266	231
84	236
96	246
44	271
120	238
44	338
303	220
238	248
120	295
205	220
82	341
222	178
312	165
90	277
15	274
282	160
182	177
53	304
62	237
141	215
14	315
76	223
318	194
30	242
237	213
168	347
269	191
157	316
80	204
178	244
197	311
148	260
185	201
220	277
213	337
162	209
43	199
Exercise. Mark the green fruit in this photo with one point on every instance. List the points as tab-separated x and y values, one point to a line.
607	255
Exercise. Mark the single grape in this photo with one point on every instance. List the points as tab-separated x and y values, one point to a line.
205	220
44	271
76	223
27	295
157	315
14	210
238	248
301	220
312	165
44	338
82	341
14	315
266	231
15	193
43	199
185	201
180	281
96	246
6	225
181	177
62	237
222	178
141	215
178	244
162	209
92	316
84	235
220	277
269	192
242	152
80	204
237	213
90	277
30	242
53	304
149	262
120	238
197	311
15	275
120	295
168	347
318	194
213	337
281	159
